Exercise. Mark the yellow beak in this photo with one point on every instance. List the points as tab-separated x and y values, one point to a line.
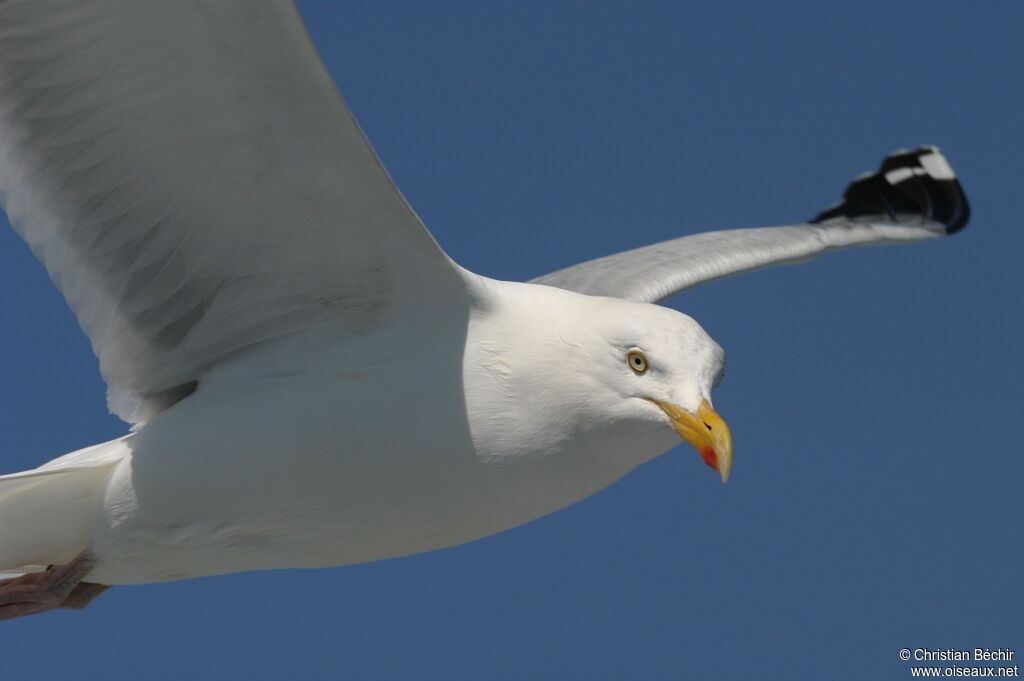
705	430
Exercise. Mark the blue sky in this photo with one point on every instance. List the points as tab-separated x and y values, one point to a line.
874	395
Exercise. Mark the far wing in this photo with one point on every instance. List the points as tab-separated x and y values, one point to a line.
913	196
195	185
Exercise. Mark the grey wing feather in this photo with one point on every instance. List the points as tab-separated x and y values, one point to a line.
913	196
194	183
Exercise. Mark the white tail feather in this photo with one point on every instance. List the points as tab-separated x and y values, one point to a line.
47	514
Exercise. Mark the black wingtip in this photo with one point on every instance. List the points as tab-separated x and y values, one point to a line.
908	187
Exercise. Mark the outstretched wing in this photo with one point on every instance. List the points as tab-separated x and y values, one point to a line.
913	196
194	183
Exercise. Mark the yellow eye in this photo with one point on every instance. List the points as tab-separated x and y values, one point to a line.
637	361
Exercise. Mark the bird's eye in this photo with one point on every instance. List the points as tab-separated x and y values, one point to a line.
637	361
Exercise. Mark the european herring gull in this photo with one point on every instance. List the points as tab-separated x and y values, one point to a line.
310	380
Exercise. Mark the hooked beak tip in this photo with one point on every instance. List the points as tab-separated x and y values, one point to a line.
706	431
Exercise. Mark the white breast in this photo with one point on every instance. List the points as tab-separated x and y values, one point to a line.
343	459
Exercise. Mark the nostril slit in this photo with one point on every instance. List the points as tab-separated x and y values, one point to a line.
708	426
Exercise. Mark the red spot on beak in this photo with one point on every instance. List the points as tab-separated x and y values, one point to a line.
709	456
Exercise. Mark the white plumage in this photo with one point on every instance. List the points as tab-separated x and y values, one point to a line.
162	159
312	380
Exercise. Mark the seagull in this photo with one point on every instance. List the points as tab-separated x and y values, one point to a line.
310	380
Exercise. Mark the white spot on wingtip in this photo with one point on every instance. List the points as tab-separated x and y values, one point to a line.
900	174
935	164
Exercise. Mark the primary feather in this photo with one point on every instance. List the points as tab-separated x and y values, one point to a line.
913	196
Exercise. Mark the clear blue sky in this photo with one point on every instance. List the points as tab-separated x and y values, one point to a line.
875	395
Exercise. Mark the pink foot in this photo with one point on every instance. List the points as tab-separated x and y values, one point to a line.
58	586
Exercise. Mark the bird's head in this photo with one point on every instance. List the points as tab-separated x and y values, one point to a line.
604	370
657	365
